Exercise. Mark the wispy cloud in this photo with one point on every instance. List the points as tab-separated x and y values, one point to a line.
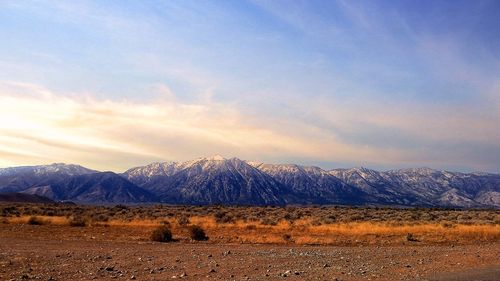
40	126
52	127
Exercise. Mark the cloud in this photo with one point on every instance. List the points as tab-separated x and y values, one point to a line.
53	127
40	126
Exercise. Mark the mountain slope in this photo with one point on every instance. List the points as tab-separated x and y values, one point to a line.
313	184
102	187
374	183
16	179
217	180
23	198
146	174
71	182
426	187
448	188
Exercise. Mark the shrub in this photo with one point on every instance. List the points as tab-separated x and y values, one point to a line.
269	221
316	222
77	222
161	234
120	207
101	217
34	220
183	220
251	227
411	238
287	237
447	224
223	217
197	233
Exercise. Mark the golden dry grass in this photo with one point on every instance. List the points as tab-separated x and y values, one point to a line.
45	219
304	232
273	225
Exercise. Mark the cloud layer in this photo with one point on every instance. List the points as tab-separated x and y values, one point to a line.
39	126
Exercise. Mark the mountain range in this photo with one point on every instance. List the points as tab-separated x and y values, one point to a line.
217	180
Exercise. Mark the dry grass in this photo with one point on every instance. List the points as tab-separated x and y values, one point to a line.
308	225
45	219
305	232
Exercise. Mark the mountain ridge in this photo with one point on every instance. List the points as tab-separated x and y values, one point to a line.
219	180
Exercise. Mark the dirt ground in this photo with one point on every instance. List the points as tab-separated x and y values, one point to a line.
51	252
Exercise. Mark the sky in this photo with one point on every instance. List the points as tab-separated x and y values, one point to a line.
381	84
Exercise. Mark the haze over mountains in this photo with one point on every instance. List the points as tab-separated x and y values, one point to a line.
216	180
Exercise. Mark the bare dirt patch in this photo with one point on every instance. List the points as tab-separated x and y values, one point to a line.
104	253
298	244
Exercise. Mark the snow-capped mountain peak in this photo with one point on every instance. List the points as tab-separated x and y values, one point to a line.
215	158
61	168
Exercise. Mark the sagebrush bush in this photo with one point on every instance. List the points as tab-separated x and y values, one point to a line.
34	220
183	220
287	237
223	217
77	222
269	221
161	234
410	237
197	233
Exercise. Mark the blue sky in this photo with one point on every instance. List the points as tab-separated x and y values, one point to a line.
383	84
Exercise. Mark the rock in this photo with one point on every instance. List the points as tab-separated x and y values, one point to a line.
132	277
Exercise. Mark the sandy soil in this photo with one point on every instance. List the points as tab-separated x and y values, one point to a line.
50	252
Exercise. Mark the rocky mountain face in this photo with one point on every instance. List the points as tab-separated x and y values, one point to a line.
20	178
314	185
426	187
212	180
103	187
63	182
217	180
